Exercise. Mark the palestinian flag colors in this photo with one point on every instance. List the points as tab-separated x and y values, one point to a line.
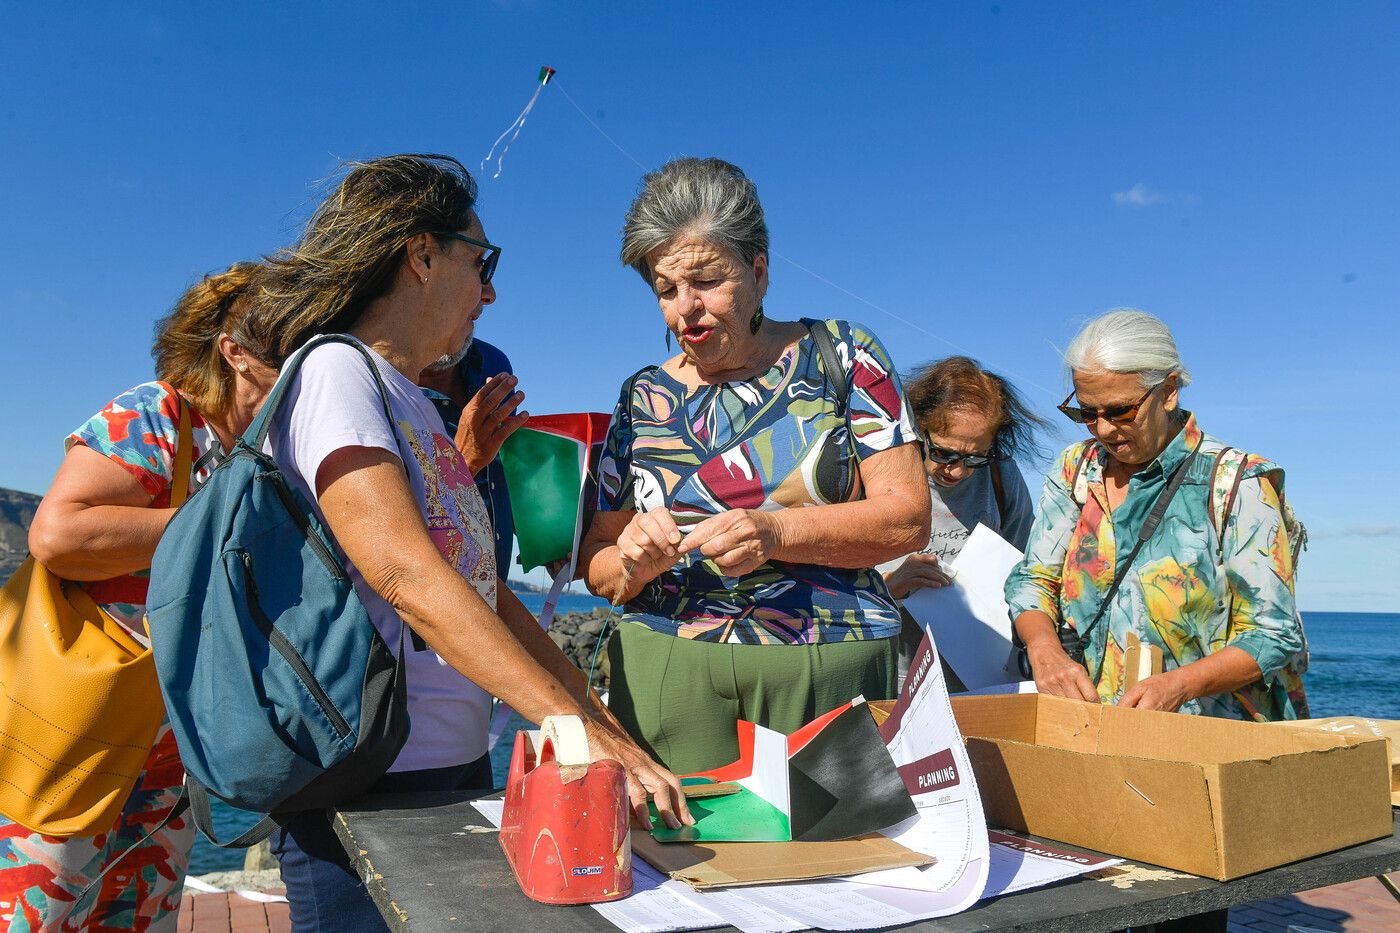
552	485
831	779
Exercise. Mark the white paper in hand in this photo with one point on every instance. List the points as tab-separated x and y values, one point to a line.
969	620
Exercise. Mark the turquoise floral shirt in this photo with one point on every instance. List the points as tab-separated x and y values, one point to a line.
1185	593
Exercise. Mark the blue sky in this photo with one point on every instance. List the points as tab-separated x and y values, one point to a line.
972	177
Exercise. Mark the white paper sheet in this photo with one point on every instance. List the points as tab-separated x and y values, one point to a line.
969	619
1020	686
1019	864
950	826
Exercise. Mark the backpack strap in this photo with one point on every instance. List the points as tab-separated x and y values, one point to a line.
1079	482
998	490
1225	478
628	389
830	363
256	432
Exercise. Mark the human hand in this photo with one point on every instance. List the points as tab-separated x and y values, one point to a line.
1058	675
487	421
644	777
649	545
739	541
918	572
1166	691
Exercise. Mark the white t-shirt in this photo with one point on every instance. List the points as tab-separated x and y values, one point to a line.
333	403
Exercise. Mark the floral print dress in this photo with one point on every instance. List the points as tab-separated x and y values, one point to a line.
774	441
41	876
1186	593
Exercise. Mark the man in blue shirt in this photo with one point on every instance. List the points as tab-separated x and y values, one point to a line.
474	393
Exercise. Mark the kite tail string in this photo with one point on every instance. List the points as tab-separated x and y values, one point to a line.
517	126
613	613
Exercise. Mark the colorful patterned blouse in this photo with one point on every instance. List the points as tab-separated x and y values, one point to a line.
1183	594
137	431
771	442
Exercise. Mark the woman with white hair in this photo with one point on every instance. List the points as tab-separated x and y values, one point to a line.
748	486
1153	531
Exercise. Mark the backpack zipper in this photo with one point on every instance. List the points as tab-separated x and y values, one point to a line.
289	653
304	525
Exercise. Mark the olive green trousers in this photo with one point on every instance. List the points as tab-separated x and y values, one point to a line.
680	699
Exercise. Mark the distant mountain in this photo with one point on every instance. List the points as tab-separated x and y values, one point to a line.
16	512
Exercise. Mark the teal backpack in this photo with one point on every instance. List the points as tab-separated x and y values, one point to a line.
281	693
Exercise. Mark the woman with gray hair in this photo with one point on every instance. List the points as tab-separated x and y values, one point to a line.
1155	535
748	485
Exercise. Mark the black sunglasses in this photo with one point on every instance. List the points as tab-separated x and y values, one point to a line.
1113	414
948	457
490	256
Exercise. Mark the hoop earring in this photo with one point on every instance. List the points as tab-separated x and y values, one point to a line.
756	321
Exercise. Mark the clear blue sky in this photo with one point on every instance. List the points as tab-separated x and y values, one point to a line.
983	176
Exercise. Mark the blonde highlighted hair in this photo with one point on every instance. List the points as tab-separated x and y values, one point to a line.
186	347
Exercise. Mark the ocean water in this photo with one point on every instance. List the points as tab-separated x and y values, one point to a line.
1355	671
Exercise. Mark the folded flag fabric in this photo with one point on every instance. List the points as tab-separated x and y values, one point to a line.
547	466
832	779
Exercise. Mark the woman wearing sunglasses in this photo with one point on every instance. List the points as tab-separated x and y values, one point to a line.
1209	583
974	423
396	257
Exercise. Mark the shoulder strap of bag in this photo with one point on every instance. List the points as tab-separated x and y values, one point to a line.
1149	527
1076	493
1222	517
184	452
256	433
998	489
628	389
831	363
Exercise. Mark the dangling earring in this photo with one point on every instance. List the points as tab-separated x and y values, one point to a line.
756	321
668	340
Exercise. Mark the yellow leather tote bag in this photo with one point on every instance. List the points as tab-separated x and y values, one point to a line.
79	702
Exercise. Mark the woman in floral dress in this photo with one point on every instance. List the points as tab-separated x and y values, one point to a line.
99	524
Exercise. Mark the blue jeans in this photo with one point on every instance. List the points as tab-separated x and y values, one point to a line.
323	890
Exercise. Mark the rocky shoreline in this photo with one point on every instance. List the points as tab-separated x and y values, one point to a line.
576	634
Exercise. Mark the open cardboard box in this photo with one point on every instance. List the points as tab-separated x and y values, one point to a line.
1388	729
1212	797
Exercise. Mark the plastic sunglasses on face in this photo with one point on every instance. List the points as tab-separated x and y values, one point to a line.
490	256
946	457
1113	414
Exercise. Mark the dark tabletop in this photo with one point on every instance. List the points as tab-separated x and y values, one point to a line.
432	862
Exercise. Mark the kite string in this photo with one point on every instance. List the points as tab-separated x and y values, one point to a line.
1049	393
600	130
517	126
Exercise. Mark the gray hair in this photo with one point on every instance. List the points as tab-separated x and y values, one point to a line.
710	198
1126	340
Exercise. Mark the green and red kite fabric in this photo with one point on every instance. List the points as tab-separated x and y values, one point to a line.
831	779
547	470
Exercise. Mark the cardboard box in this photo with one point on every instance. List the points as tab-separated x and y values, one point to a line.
1212	797
1388	729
